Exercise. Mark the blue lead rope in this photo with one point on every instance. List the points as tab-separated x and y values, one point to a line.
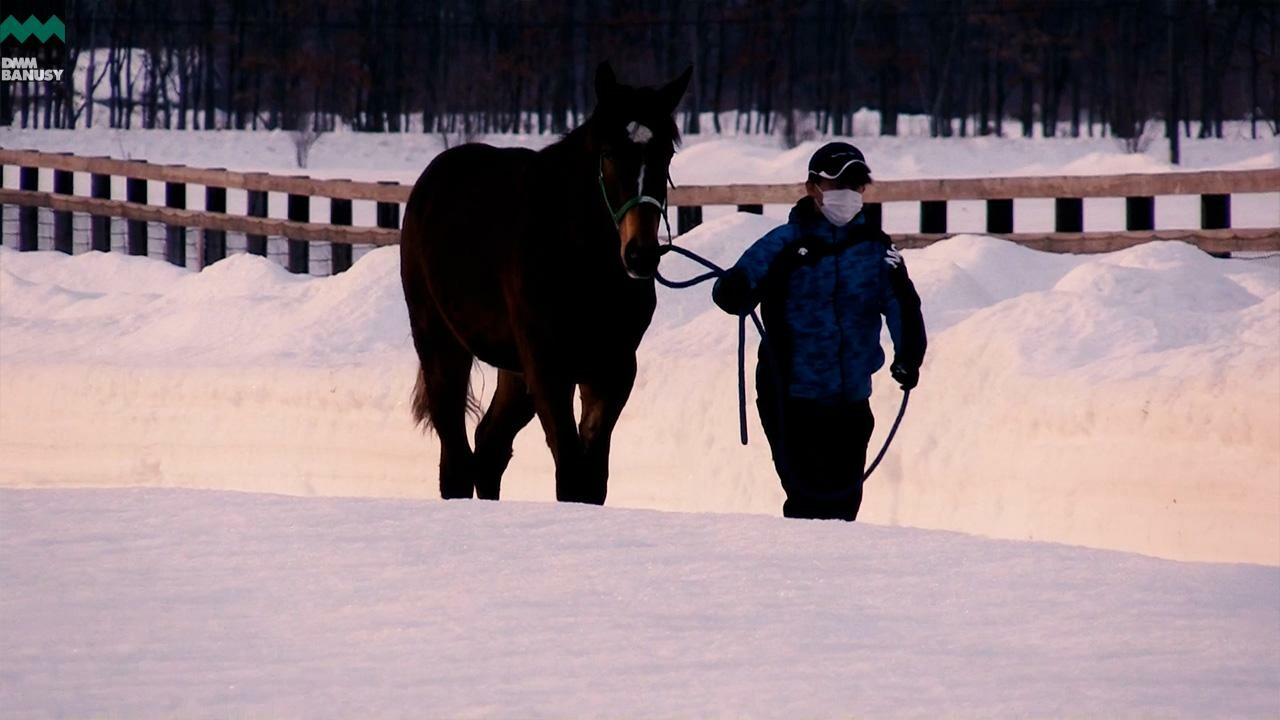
714	271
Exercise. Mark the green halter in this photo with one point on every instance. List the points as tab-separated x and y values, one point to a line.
633	202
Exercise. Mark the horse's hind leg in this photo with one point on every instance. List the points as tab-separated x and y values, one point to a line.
510	410
443	396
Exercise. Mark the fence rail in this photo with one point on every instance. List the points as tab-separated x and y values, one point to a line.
1222	182
1215	188
309	231
1213	182
215	177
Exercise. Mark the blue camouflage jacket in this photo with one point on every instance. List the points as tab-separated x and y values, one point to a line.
822	291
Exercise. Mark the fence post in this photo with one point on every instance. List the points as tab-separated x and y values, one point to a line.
28	217
340	253
1215	212
299	250
100	226
215	241
1000	216
688	218
1140	213
175	236
63	184
753	209
388	212
257	244
933	216
136	192
874	214
1068	214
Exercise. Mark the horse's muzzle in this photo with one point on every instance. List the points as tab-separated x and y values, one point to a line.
640	263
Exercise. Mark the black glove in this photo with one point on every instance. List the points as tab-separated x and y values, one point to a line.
906	376
732	293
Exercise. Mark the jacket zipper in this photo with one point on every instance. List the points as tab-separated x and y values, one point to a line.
835	303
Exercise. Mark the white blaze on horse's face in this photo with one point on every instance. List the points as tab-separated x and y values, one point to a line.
639	135
639	247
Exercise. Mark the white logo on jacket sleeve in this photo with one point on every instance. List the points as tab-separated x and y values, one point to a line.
893	257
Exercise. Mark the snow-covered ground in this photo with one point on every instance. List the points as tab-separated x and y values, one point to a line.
1128	401
170	603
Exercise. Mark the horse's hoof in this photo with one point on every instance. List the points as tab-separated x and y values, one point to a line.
456	493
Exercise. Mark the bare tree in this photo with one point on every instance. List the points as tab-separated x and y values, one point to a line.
463	67
304	137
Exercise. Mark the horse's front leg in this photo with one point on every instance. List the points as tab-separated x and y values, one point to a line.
553	402
602	401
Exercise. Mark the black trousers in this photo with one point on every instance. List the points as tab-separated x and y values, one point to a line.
819	450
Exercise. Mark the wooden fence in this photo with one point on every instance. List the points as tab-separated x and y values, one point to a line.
1215	188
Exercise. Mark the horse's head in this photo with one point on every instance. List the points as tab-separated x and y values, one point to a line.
636	136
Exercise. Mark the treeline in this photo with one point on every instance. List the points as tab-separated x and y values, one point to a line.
765	66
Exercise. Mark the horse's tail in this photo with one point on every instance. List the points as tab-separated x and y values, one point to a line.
421	411
421	416
451	364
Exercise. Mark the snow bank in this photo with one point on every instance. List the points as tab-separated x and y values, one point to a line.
1127	401
196	604
704	158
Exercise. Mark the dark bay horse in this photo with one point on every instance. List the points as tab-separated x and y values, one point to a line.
540	264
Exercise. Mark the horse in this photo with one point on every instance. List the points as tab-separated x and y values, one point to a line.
540	264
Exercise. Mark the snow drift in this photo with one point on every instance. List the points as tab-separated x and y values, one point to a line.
1127	401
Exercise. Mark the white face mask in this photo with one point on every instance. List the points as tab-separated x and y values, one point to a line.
840	206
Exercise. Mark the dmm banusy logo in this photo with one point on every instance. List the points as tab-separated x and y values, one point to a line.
33	40
27	68
20	31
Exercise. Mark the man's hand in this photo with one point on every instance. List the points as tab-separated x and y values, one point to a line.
906	376
732	293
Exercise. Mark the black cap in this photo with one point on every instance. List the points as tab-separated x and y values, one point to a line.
841	162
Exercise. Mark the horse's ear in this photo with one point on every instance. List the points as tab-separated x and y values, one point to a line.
671	93
605	81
